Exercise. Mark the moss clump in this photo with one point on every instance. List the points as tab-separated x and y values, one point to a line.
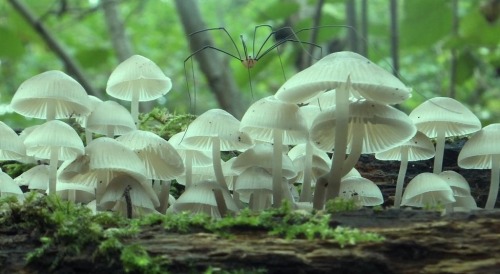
163	123
341	205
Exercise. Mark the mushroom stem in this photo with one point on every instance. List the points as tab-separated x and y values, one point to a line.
356	148
305	194
188	165
319	192
51	111
110	132
134	108
340	144
221	203
219	174
401	177
277	167
164	195
438	158
54	159
495	173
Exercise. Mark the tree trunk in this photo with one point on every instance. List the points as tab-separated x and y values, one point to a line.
116	30
218	74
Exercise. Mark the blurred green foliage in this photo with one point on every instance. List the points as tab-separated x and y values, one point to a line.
155	31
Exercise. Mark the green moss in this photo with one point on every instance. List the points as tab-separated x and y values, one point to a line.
65	229
164	123
341	205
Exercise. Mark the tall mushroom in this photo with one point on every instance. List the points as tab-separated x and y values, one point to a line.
137	79
351	75
216	130
54	140
482	151
277	122
442	117
372	127
417	148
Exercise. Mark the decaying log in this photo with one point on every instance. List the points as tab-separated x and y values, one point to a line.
416	242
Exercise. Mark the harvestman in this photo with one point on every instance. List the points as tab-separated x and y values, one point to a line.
248	61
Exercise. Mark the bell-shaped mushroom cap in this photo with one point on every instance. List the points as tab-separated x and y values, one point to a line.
369	81
457	182
141	193
54	134
269	114
11	145
9	187
261	155
479	150
198	157
50	95
110	117
443	113
418	148
160	158
366	191
200	198
427	189
216	123
381	126
36	177
94	102
254	178
320	161
140	77
466	203
107	153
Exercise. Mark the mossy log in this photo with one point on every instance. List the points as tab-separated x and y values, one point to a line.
416	242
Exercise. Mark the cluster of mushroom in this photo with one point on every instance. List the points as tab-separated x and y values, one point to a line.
339	106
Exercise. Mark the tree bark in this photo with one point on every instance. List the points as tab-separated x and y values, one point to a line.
394	37
218	74
352	22
71	65
116	29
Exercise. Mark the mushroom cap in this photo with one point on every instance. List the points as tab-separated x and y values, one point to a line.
320	161
427	189
261	155
11	145
367	191
160	158
418	148
103	158
369	81
110	115
444	112
138	75
51	89
9	187
199	198
198	157
216	123
479	149
269	114
457	182
36	177
141	193
107	153
383	127
40	142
